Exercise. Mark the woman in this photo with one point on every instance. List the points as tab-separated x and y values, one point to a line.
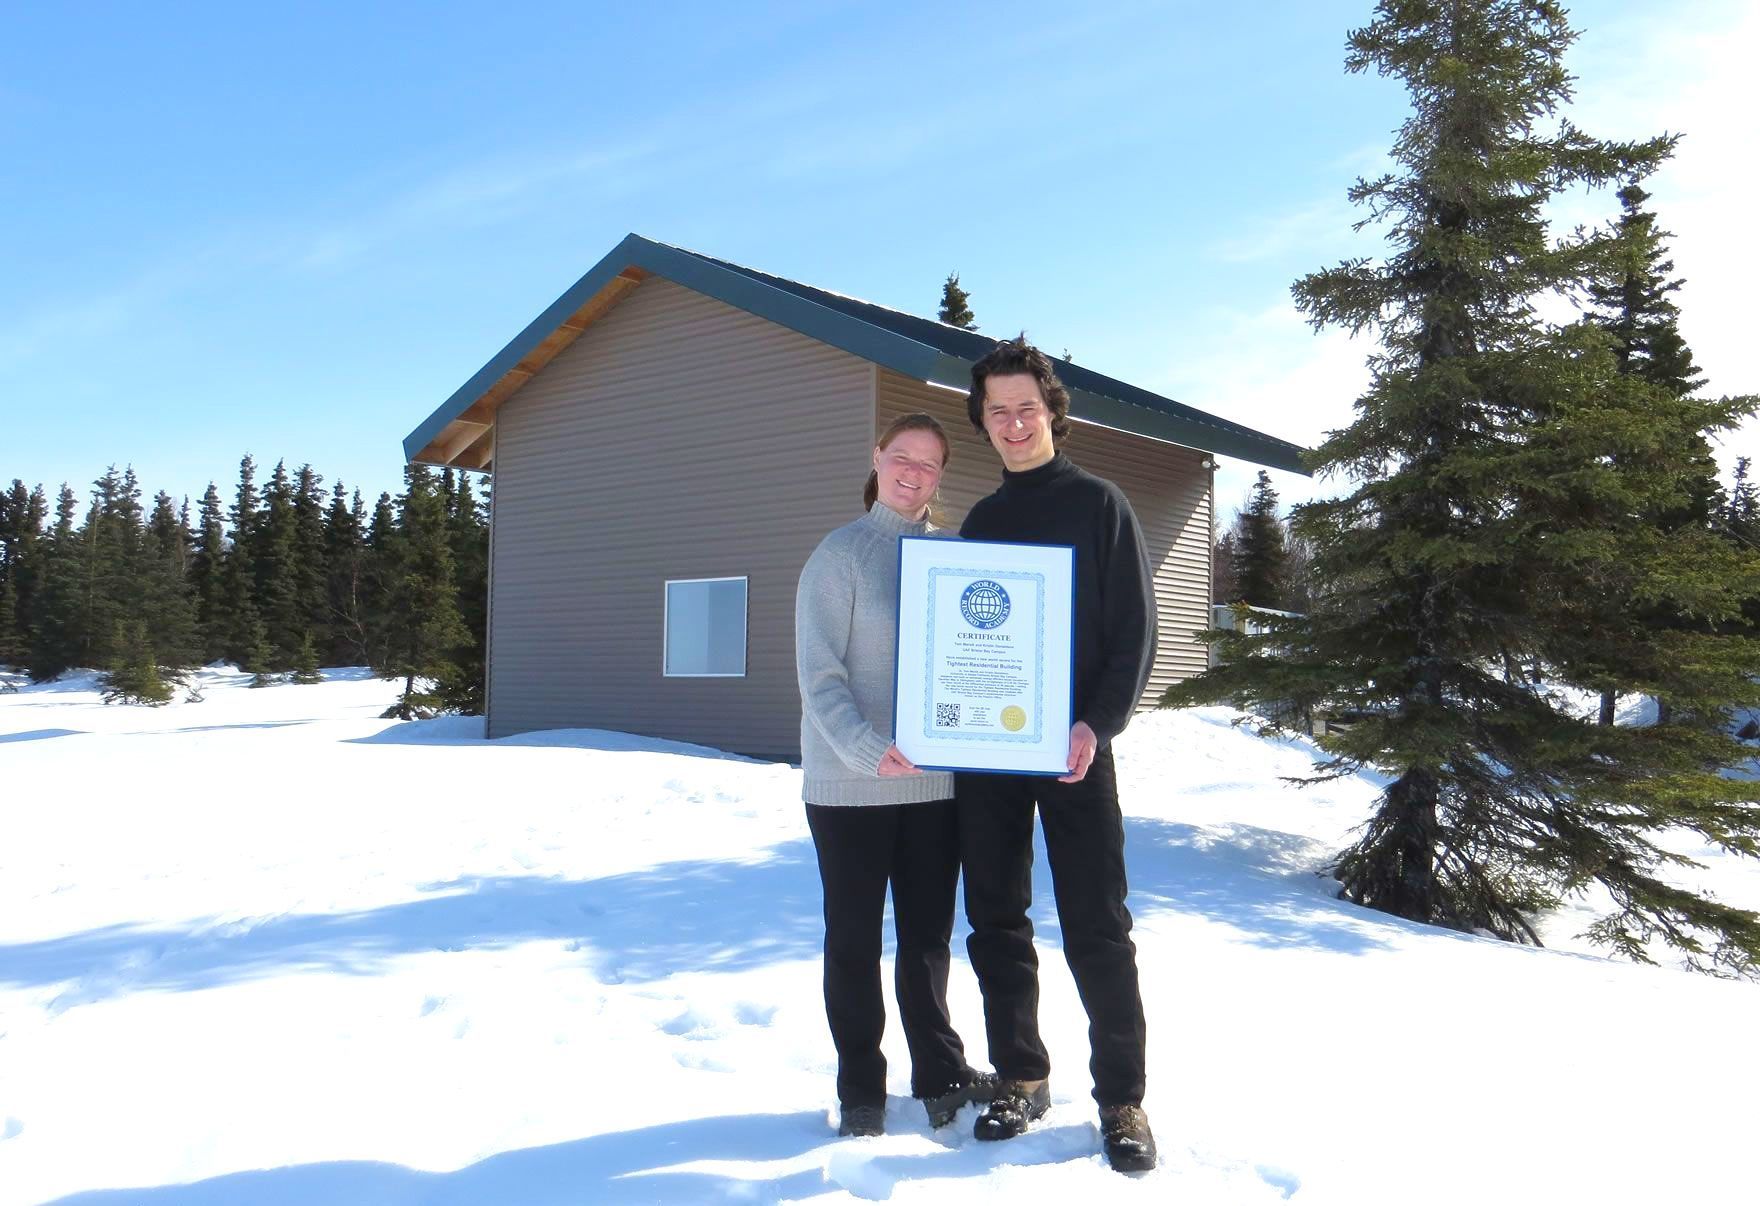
877	819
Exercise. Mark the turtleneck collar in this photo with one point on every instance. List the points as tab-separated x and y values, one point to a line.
1038	475
888	520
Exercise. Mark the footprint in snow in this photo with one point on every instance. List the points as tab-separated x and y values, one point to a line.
688	1024
10	1128
430	1004
750	1013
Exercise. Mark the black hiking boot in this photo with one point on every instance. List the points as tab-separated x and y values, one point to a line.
1126	1138
862	1120
1014	1105
943	1106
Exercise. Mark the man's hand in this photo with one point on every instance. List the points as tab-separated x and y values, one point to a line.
893	763
1083	745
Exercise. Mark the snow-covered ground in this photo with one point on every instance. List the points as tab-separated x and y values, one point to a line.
269	948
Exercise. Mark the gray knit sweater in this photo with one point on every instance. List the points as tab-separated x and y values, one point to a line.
845	636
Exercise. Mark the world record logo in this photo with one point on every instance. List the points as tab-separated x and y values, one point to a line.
984	604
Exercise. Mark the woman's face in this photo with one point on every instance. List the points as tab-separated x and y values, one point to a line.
909	470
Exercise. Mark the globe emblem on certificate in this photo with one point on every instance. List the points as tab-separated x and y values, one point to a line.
1014	719
984	604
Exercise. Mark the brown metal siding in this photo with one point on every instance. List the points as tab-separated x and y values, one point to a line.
1168	486
676	438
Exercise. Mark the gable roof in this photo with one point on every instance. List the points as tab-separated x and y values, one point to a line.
459	431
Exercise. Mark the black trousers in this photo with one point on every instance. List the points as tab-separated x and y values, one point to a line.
1084	839
861	849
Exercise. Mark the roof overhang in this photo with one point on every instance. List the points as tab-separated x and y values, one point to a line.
460	433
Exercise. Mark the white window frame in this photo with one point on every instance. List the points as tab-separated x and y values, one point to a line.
745	635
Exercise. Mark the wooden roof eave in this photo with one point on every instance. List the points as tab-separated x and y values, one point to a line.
467	440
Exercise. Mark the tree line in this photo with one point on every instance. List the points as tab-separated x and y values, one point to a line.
285	580
1530	515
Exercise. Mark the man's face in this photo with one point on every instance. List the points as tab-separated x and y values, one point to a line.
1017	421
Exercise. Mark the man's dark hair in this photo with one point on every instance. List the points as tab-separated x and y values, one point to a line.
1017	356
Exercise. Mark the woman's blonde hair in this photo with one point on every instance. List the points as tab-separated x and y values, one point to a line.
916	421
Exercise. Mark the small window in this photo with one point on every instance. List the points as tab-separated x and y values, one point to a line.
705	623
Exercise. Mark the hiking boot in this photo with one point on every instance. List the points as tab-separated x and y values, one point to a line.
943	1106
1014	1105
1126	1139
862	1120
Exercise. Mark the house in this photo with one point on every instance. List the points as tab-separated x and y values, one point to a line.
675	434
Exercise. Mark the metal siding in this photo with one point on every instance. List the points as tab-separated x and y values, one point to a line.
678	437
1168	486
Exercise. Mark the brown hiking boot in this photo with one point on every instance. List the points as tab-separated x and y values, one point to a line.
942	1107
1126	1139
1015	1105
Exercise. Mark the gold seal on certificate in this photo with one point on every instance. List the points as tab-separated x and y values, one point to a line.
984	673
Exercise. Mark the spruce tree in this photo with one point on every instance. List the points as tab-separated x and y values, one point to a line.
1484	460
305	663
113	538
310	574
1631	303
167	605
1260	555
956	309
55	639
12	646
238	611
1224	582
207	578
462	688
345	580
1740	519
135	677
380	568
258	656
277	569
422	624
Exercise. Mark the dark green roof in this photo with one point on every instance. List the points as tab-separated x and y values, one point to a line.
919	348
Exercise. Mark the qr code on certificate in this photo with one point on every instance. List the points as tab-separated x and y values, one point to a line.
946	716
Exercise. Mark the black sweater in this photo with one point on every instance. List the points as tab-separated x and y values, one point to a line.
1061	503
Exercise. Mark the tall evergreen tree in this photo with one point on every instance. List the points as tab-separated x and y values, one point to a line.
1225	586
1741	512
239	612
422	624
55	638
1484	455
310	574
956	309
114	539
345	581
1631	302
1260	556
277	569
12	645
462	688
167	606
380	578
22	513
207	578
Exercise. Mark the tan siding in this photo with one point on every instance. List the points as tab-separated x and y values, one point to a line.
677	438
1168	486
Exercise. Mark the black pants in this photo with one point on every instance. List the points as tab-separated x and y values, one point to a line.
861	848
1084	838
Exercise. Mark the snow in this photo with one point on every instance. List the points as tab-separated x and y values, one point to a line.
269	948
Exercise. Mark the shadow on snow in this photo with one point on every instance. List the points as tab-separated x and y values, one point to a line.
643	1165
692	915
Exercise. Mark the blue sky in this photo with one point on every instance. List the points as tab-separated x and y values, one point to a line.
295	231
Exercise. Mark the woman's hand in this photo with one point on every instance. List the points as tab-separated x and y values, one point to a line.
893	763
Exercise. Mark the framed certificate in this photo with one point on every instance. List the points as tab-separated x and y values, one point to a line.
984	678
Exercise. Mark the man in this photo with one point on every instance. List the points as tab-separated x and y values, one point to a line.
1017	402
